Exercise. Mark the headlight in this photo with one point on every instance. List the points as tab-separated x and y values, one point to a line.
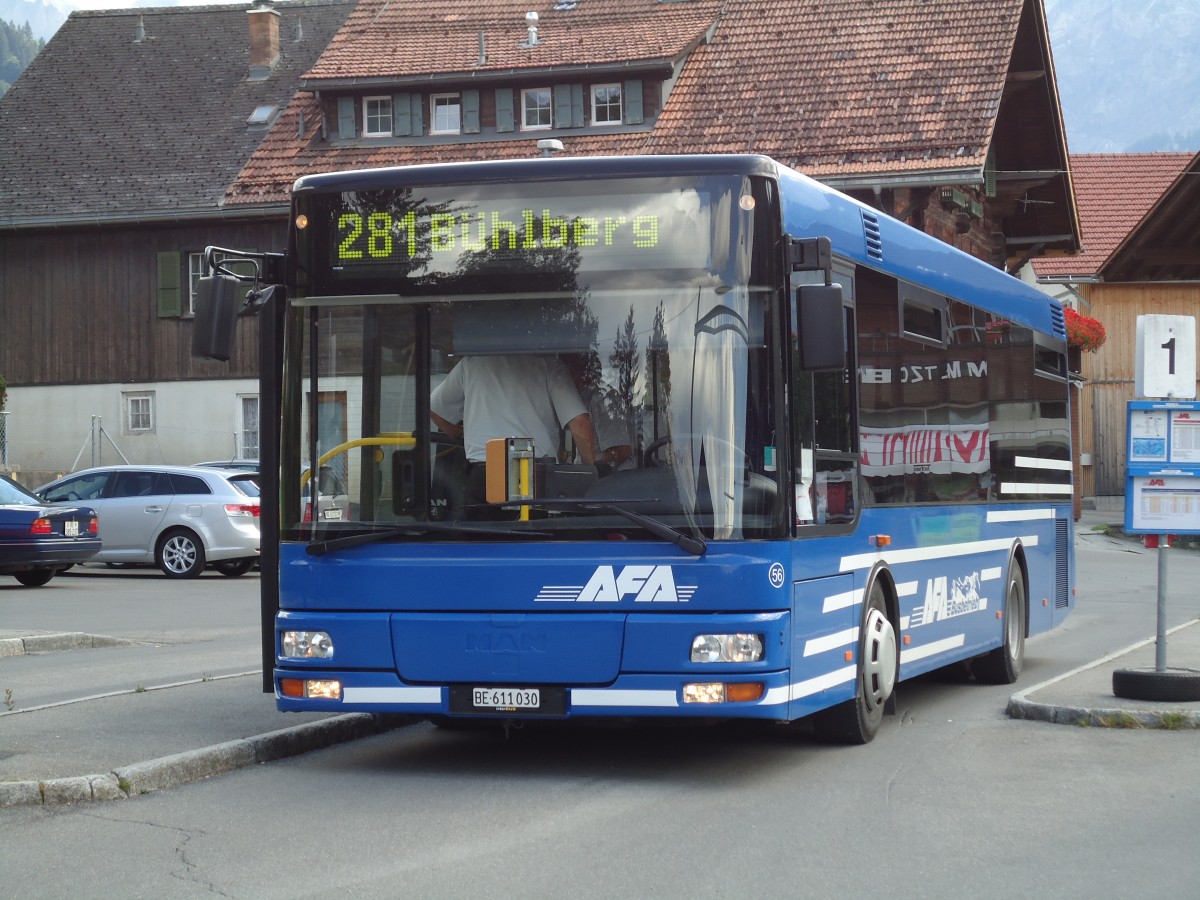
727	648
305	645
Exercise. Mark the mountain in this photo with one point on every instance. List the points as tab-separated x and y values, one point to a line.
1127	73
43	18
18	47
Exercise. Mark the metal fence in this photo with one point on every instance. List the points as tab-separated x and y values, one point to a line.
34	455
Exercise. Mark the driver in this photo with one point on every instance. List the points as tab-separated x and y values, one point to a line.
487	397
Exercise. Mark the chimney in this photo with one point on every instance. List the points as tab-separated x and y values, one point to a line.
264	39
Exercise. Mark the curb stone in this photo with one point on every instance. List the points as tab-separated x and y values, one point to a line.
50	643
180	768
1021	708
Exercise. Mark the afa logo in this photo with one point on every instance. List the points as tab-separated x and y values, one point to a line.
944	600
645	584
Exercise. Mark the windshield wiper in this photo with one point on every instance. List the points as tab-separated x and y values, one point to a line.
694	545
320	548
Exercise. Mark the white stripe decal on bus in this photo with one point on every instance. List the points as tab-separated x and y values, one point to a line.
591	697
1032	462
831	641
1033	487
1019	515
822	682
844	600
924	554
992	574
932	649
392	695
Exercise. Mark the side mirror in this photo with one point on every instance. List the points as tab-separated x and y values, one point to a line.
218	301
821	320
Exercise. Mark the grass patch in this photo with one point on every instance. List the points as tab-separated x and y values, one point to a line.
1175	721
1118	720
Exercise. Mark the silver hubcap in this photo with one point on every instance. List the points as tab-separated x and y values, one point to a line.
879	660
1016	622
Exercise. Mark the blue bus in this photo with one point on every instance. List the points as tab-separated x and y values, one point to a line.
832	452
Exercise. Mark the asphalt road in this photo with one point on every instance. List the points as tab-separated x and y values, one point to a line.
953	799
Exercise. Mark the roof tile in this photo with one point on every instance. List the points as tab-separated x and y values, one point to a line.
1113	191
833	87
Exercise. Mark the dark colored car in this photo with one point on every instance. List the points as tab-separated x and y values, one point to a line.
37	541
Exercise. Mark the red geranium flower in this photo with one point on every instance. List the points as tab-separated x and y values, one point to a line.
1084	332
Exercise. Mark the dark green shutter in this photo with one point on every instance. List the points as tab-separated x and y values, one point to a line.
346	117
416	113
170	296
631	94
401	115
568	106
562	106
504	110
470	111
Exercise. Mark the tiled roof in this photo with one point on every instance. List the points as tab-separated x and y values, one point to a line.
103	127
829	86
1113	192
386	39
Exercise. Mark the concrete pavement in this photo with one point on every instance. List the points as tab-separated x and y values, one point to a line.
191	730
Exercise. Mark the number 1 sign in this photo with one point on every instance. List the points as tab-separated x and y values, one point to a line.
1166	357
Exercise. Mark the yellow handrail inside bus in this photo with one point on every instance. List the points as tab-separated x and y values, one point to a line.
387	439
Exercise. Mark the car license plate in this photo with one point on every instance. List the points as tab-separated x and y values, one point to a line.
506	698
334	512
71	528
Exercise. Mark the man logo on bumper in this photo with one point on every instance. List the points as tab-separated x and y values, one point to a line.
646	584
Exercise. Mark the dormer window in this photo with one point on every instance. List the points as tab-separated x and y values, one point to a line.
536	109
606	104
445	114
377	116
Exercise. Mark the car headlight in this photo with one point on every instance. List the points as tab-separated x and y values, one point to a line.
305	645
727	648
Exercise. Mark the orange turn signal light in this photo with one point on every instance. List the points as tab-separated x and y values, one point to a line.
744	693
292	687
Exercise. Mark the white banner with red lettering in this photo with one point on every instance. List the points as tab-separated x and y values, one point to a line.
934	449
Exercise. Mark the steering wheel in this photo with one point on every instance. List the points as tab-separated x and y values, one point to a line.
650	460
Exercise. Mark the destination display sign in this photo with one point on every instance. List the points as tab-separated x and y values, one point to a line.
477	230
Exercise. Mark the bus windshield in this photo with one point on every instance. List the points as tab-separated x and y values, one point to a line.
647	304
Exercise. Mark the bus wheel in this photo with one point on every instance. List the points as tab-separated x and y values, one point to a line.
1003	665
856	721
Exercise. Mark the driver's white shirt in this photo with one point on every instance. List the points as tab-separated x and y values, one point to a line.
508	396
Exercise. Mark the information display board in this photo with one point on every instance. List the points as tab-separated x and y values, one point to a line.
1162	474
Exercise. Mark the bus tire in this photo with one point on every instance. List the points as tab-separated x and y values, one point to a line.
1003	665
856	721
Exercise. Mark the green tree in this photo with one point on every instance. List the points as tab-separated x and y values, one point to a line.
18	47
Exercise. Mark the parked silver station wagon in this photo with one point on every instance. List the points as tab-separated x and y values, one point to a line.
180	518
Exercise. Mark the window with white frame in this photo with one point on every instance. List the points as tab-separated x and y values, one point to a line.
139	413
195	270
248	417
377	116
445	113
606	104
536	109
